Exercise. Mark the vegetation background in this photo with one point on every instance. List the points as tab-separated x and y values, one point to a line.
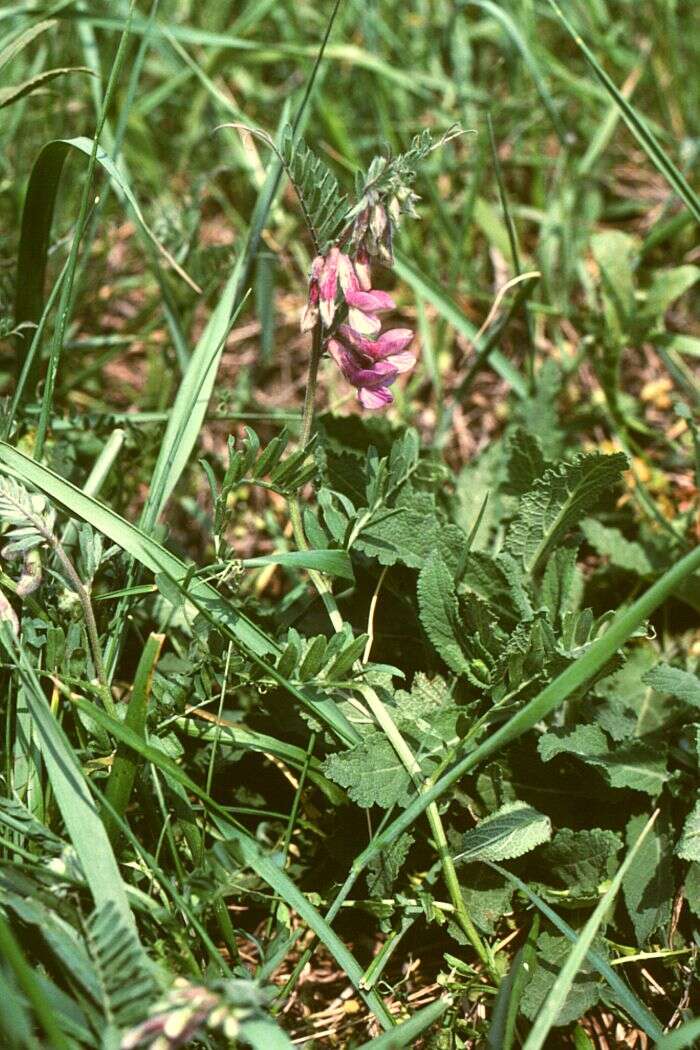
436	766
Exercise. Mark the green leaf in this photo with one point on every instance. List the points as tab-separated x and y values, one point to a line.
245	849
158	560
688	847
583	994
684	685
691	888
124	976
372	773
632	765
409	532
23	39
332	562
577	863
615	252
649	886
434	294
635	123
384	868
550	1012
80	816
681	1038
622	553
407	1032
488	897
571	679
557	502
666	287
439	613
12	94
526	462
514	829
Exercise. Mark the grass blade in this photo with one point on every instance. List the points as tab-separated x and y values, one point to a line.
560	989
626	998
404	1034
687	1035
74	800
448	309
250	853
635	123
124	768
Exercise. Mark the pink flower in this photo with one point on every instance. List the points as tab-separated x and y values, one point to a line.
372	365
390	346
371	382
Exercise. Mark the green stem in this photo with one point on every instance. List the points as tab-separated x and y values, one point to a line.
307	425
90	622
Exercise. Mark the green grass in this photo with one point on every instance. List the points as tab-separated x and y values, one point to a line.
258	684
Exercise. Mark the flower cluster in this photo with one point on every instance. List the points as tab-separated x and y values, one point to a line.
369	359
179	1016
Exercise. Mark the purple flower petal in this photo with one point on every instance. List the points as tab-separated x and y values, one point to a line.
373	399
371	301
346	274
393	342
364	324
402	362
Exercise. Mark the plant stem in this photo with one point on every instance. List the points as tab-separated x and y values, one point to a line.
90	622
307	424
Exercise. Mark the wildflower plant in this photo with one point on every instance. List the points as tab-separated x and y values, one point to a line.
328	715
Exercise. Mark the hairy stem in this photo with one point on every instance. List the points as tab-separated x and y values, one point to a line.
90	622
307	425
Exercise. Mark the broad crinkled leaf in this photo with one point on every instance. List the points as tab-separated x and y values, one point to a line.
439	613
648	886
622	553
526	462
514	829
691	888
684	685
632	765
688	847
552	952
410	531
487	894
556	503
385	867
372	773
496	581
578	862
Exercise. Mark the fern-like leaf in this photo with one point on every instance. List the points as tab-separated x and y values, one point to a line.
30	519
322	203
126	981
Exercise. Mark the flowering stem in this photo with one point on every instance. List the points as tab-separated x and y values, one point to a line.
307	425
